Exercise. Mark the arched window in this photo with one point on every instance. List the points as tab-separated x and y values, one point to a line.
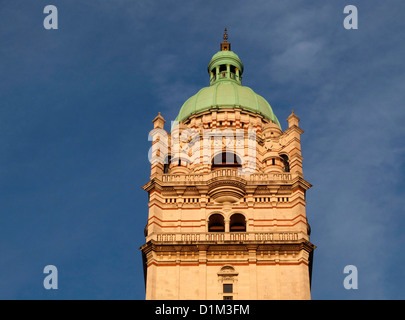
286	163
237	223
216	223
228	281
226	160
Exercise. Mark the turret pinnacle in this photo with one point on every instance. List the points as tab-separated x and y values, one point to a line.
225	45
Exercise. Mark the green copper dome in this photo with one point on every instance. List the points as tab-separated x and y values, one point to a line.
225	90
226	94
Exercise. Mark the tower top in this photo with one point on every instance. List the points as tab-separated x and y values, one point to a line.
225	45
226	91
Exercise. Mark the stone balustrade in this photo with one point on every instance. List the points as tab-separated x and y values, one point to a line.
225	236
198	178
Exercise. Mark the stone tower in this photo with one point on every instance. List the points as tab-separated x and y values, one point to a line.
227	213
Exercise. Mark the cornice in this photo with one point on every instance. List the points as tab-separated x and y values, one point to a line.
246	246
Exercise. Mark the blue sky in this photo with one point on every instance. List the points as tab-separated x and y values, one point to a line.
76	106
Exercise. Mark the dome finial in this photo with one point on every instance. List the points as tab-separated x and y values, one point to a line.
225	35
225	46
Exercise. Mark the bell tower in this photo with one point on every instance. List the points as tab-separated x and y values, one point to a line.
227	203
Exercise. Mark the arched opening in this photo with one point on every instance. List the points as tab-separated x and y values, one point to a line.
166	165
233	71
179	162
216	223
222	71
237	223
145	231
284	158
226	160
213	74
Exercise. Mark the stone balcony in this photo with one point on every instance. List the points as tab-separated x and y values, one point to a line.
259	178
